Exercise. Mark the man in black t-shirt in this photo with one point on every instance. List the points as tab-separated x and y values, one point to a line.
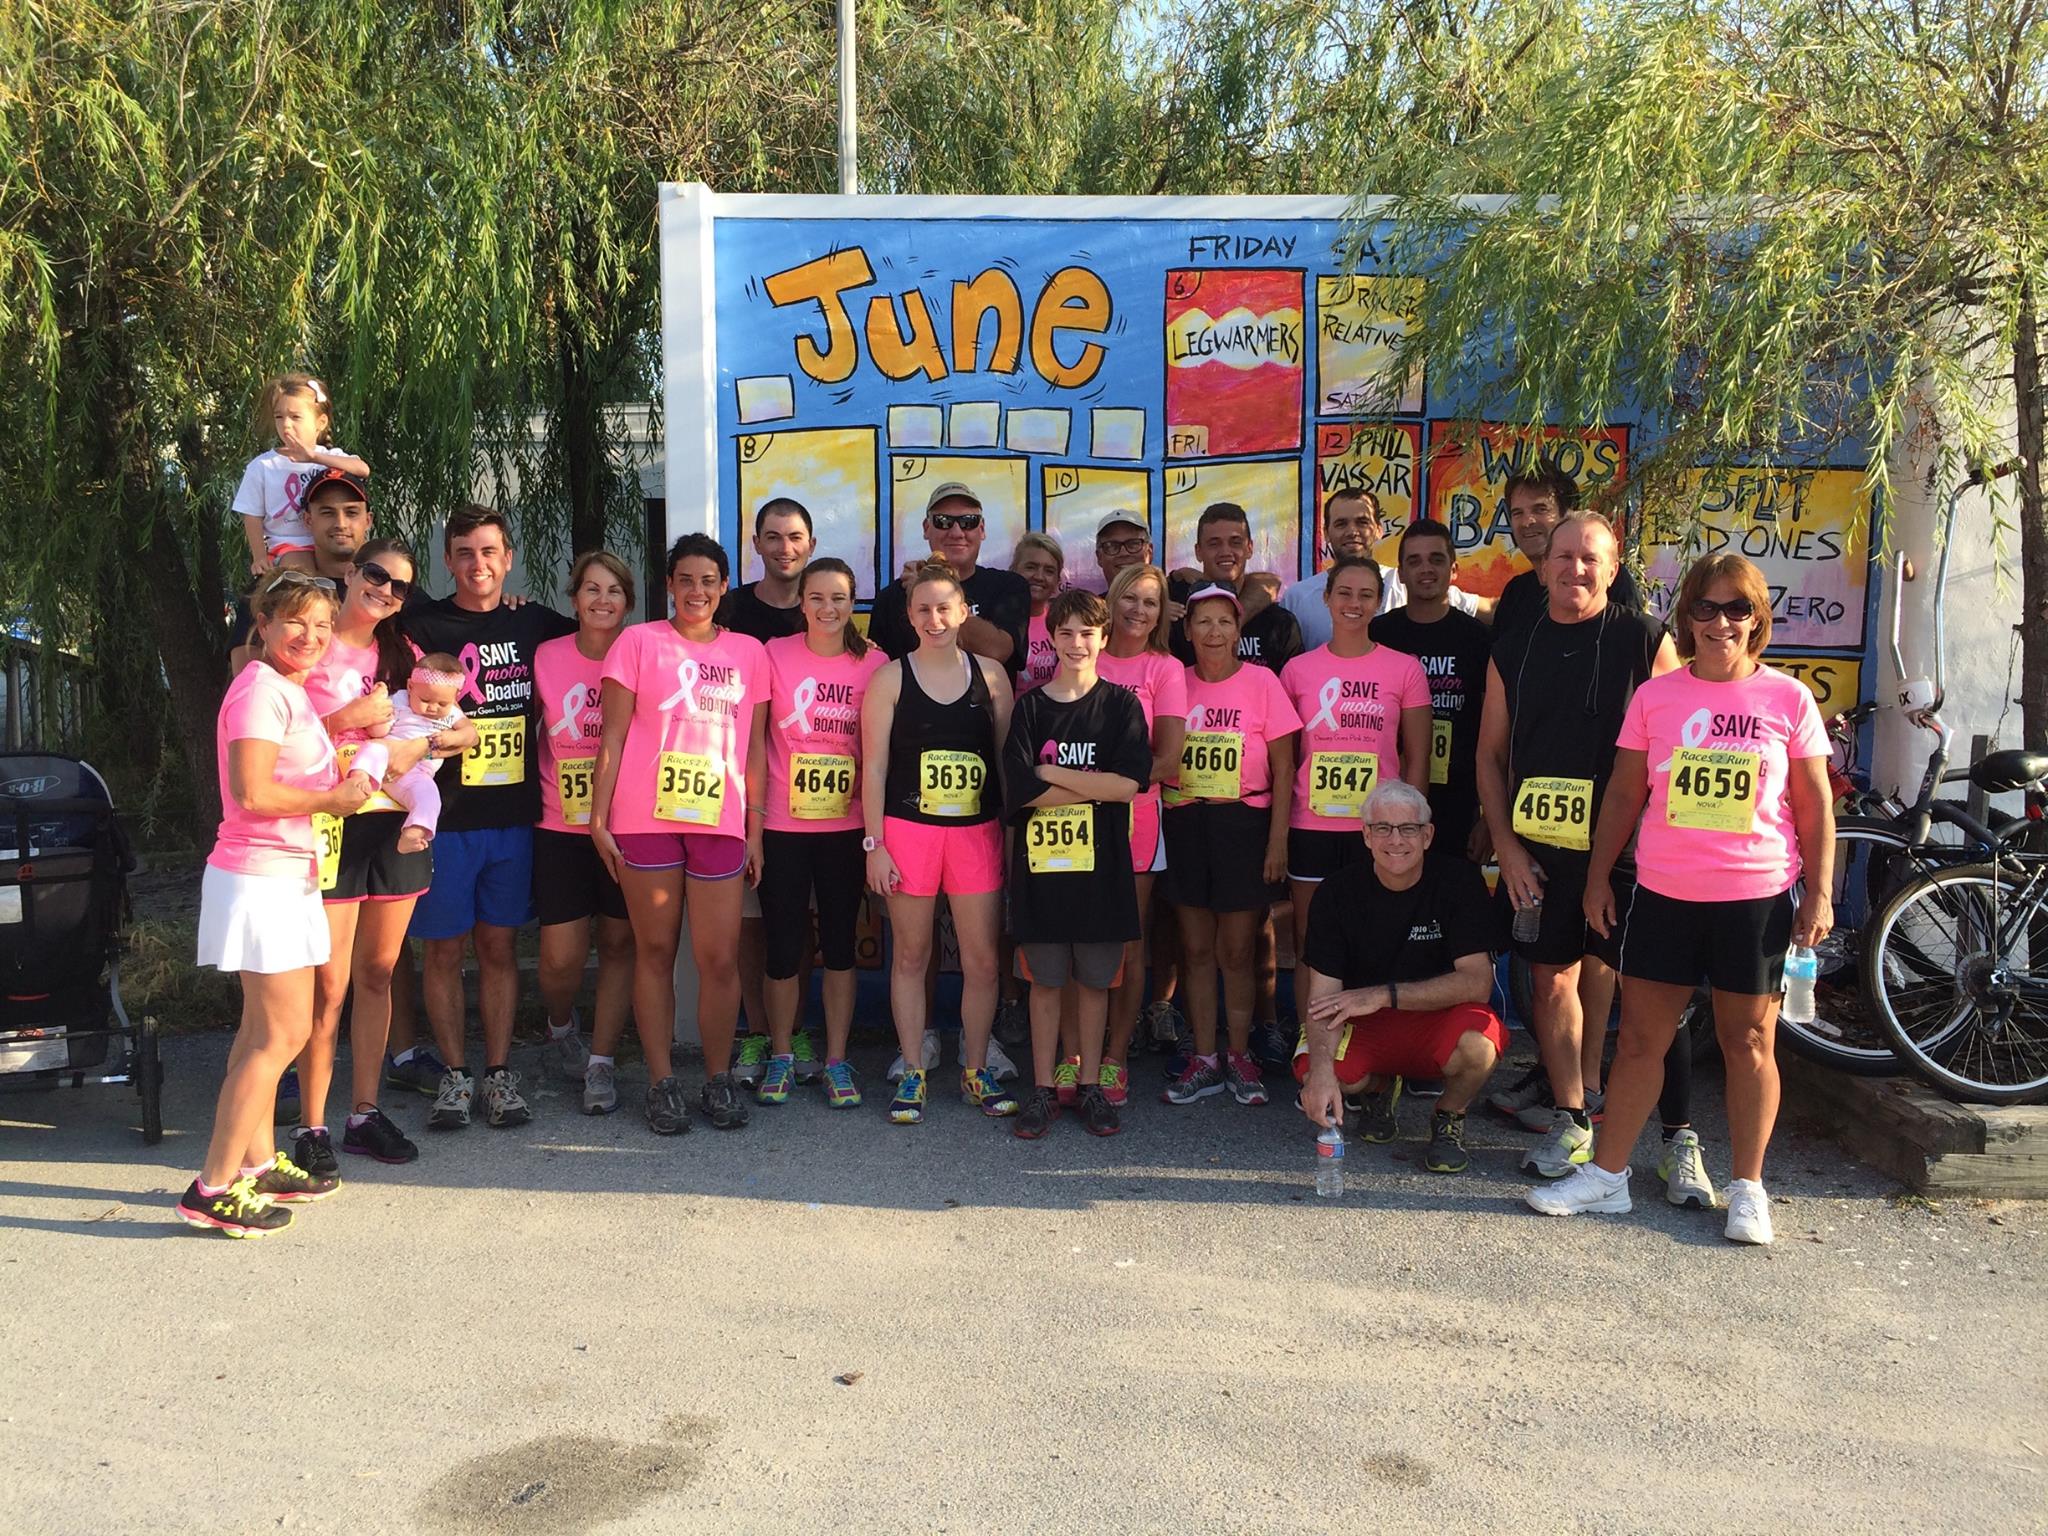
768	609
1400	972
1537	500
998	602
1453	648
1223	544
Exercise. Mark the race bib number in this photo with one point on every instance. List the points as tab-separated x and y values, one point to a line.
499	756
949	783
574	777
689	786
1339	782
1060	839
1439	751
377	802
1712	790
820	786
1211	765
327	841
1558	812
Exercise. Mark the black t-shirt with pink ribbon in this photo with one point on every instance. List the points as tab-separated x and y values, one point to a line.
497	782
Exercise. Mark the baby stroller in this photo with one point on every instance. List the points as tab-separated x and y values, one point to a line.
64	867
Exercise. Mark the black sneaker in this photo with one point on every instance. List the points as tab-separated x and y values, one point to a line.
1378	1121
314	1152
290	1103
1013	1023
1039	1112
722	1103
422	1073
377	1137
237	1210
1446	1152
285	1182
1098	1114
666	1113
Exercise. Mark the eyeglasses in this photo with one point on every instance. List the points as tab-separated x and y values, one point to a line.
377	576
1120	546
1407	831
946	521
287	577
1704	609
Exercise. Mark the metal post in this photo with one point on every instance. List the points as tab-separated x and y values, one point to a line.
849	164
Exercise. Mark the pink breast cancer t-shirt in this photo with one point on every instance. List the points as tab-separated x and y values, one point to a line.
1347	704
814	712
694	701
1159	681
1039	661
264	705
568	687
1249	710
1754	727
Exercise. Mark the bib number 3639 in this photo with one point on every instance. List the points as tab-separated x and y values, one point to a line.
499	756
1060	839
949	783
689	786
1712	790
1558	812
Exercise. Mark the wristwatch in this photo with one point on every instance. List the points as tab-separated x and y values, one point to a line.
869	844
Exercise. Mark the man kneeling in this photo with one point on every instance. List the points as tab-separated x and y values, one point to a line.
1400	970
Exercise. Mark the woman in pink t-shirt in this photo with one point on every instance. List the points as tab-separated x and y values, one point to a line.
807	841
680	697
1043	565
572	889
1226	839
259	902
1721	777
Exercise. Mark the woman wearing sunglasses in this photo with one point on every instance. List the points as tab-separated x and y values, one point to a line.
1720	774
367	885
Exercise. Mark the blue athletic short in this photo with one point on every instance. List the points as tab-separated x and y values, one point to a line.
484	876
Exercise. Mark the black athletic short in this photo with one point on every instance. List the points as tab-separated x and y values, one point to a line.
797	867
372	868
1565	937
1316	855
1216	856
570	882
1734	946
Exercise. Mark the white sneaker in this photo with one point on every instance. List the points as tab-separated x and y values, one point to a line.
1684	1173
998	1061
1566	1146
928	1054
1588	1189
1749	1212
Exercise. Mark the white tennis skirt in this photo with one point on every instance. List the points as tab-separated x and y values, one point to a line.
260	923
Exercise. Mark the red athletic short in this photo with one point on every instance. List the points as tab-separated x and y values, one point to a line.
1399	1043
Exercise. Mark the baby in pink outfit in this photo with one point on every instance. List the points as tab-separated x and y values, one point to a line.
423	708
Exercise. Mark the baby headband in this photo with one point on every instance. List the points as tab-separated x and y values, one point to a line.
436	679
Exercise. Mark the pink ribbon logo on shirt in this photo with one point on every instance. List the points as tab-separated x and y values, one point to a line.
1326	714
1198	717
472	673
574	702
686	687
800	717
1691	734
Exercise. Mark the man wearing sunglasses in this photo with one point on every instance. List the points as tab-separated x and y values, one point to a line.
998	601
1400	970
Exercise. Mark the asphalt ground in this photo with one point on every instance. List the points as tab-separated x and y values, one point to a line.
826	1321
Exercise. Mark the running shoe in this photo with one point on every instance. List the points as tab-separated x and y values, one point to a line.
1749	1212
809	1064
376	1137
601	1088
985	1092
1588	1189
1201	1079
1567	1146
422	1073
842	1088
999	1062
1596	1105
1037	1115
1066	1081
666	1112
313	1150
1162	1026
1098	1114
1115	1082
502	1104
1530	1088
287	1183
927	1056
1684	1172
451	1104
907	1108
290	1102
1537	1116
567	1053
1272	1043
1241	1074
1013	1022
1446	1150
722	1103
1424	1088
776	1081
237	1210
1378	1118
752	1058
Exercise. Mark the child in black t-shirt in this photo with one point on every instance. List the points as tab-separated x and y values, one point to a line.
1078	753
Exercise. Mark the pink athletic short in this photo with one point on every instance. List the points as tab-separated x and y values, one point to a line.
700	855
1148	848
1403	1042
956	861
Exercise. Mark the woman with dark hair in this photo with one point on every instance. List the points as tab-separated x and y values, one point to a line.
368	888
669	818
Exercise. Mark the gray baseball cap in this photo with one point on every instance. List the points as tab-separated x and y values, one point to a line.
952	490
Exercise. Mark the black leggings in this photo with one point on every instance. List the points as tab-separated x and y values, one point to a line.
794	866
1674	1105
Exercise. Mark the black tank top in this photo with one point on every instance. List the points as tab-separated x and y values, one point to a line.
942	757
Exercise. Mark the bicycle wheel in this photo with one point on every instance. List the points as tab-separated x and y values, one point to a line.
1872	860
1951	969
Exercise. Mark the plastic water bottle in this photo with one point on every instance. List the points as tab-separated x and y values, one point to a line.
1528	923
1330	1163
1801	967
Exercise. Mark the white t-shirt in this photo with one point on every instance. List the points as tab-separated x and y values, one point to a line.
272	488
1305	601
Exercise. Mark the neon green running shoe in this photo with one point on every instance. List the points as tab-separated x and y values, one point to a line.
751	1059
808	1063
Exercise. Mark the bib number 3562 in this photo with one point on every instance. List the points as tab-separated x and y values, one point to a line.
689	786
1558	812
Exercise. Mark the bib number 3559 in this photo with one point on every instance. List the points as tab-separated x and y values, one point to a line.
499	756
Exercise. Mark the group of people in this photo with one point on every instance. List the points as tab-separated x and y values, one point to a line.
1110	792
